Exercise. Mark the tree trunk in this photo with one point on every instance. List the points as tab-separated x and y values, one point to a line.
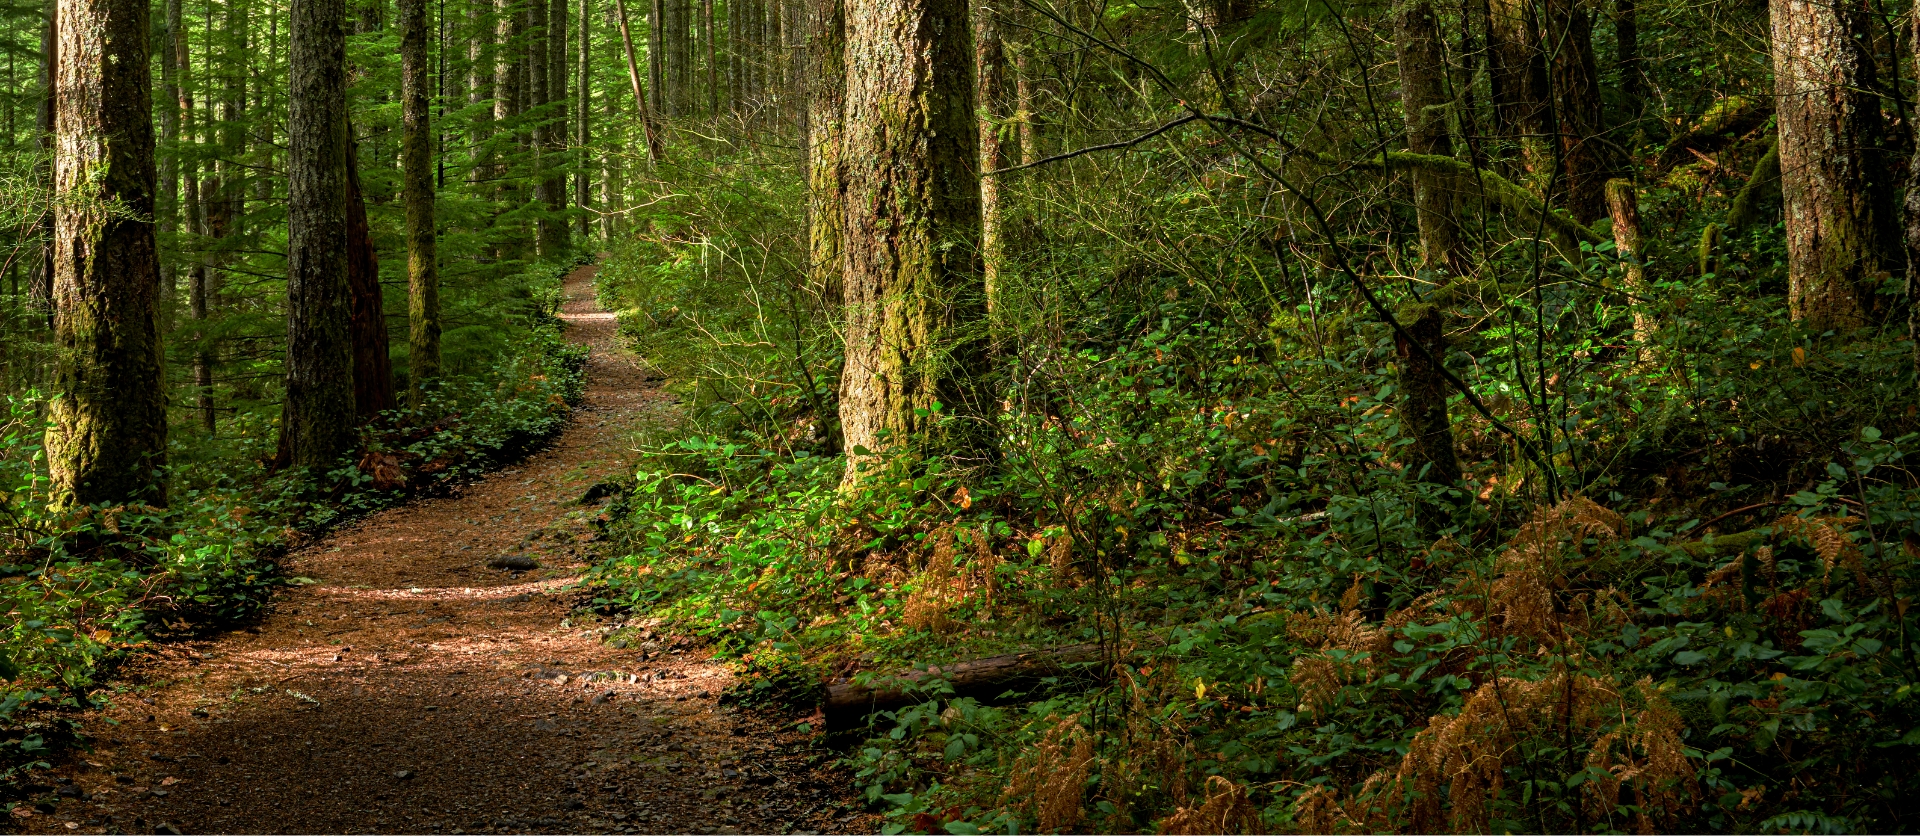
107	422
661	102
509	42
1626	38
423	271
713	65
846	703
990	60
1423	389
317	423
1911	212
195	216
480	87
1517	77
1024	86
553	225
1423	400
1423	99
826	178
583	182
372	360
1837	207
656	150
1624	206
539	114
169	200
40	281
1584	158
912	282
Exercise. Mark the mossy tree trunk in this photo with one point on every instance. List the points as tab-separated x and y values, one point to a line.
107	429
317	422
826	178
914	300
1832	170
1423	390
991	64
1423	97
1624	206
1423	397
416	157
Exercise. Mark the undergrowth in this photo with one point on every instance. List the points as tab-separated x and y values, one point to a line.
1671	593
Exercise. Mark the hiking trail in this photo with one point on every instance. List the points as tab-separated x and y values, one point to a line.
413	689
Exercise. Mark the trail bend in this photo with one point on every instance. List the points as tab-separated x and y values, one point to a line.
412	689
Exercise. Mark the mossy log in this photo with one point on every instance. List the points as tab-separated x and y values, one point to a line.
1762	188
1725	121
847	702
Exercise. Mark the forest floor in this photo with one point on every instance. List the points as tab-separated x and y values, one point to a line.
411	688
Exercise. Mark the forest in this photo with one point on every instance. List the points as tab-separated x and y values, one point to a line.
1174	416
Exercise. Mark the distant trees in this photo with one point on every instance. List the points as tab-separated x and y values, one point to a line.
107	434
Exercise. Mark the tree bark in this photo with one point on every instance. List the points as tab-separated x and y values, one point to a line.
846	703
1624	206
1423	400
1026	121
509	43
583	181
540	115
826	176
480	88
1423	98
40	281
169	200
990	63
367	323
1517	77
423	270
317	423
1836	205
1626	39
1423	389
195	216
713	65
1584	159
656	150
662	101
107	423
554	243
913	288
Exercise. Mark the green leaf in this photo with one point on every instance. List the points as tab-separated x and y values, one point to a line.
1689	657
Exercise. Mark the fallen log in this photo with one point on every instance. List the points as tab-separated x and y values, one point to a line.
848	702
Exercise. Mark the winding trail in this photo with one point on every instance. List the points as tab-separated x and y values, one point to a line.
412	689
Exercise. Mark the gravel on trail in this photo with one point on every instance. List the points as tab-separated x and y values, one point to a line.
432	681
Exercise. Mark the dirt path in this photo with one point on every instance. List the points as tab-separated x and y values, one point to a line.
415	690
